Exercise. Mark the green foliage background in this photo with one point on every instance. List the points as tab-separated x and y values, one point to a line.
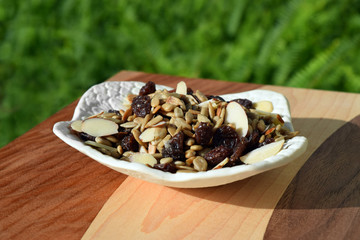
51	51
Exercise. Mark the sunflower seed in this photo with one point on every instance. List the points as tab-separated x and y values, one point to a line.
196	147
103	141
166	160
190	153
129	125
154	121
201	96
200	164
189	117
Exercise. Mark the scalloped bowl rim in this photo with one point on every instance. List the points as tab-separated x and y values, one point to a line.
292	149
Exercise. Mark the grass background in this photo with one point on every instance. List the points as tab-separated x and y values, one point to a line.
51	51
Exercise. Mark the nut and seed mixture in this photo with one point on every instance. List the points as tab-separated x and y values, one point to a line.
183	130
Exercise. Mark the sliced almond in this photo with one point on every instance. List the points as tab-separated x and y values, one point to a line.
99	127
181	88
236	115
144	158
221	164
143	149
260	154
151	149
278	117
265	106
151	134
96	115
76	125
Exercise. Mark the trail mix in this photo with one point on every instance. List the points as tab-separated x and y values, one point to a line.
186	131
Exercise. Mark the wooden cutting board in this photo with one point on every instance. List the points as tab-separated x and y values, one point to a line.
316	196
49	190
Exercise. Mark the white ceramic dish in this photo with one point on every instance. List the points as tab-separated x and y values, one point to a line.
111	95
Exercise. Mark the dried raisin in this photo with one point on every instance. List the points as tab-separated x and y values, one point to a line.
215	97
238	152
141	105
84	136
225	136
174	148
243	102
114	111
167	167
129	143
203	134
148	88
216	155
253	141
267	141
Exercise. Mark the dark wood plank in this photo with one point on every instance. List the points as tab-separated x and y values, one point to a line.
49	190
323	200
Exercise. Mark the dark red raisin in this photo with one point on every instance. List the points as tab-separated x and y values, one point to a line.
244	102
267	141
196	98
167	167
174	148
129	143
141	105
238	152
189	91
253	141
215	97
203	134
84	136
114	111
148	88
216	155
225	136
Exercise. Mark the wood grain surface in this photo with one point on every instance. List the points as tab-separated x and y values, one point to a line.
323	200
49	190
240	210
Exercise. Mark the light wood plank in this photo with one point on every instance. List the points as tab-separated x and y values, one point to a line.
240	210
